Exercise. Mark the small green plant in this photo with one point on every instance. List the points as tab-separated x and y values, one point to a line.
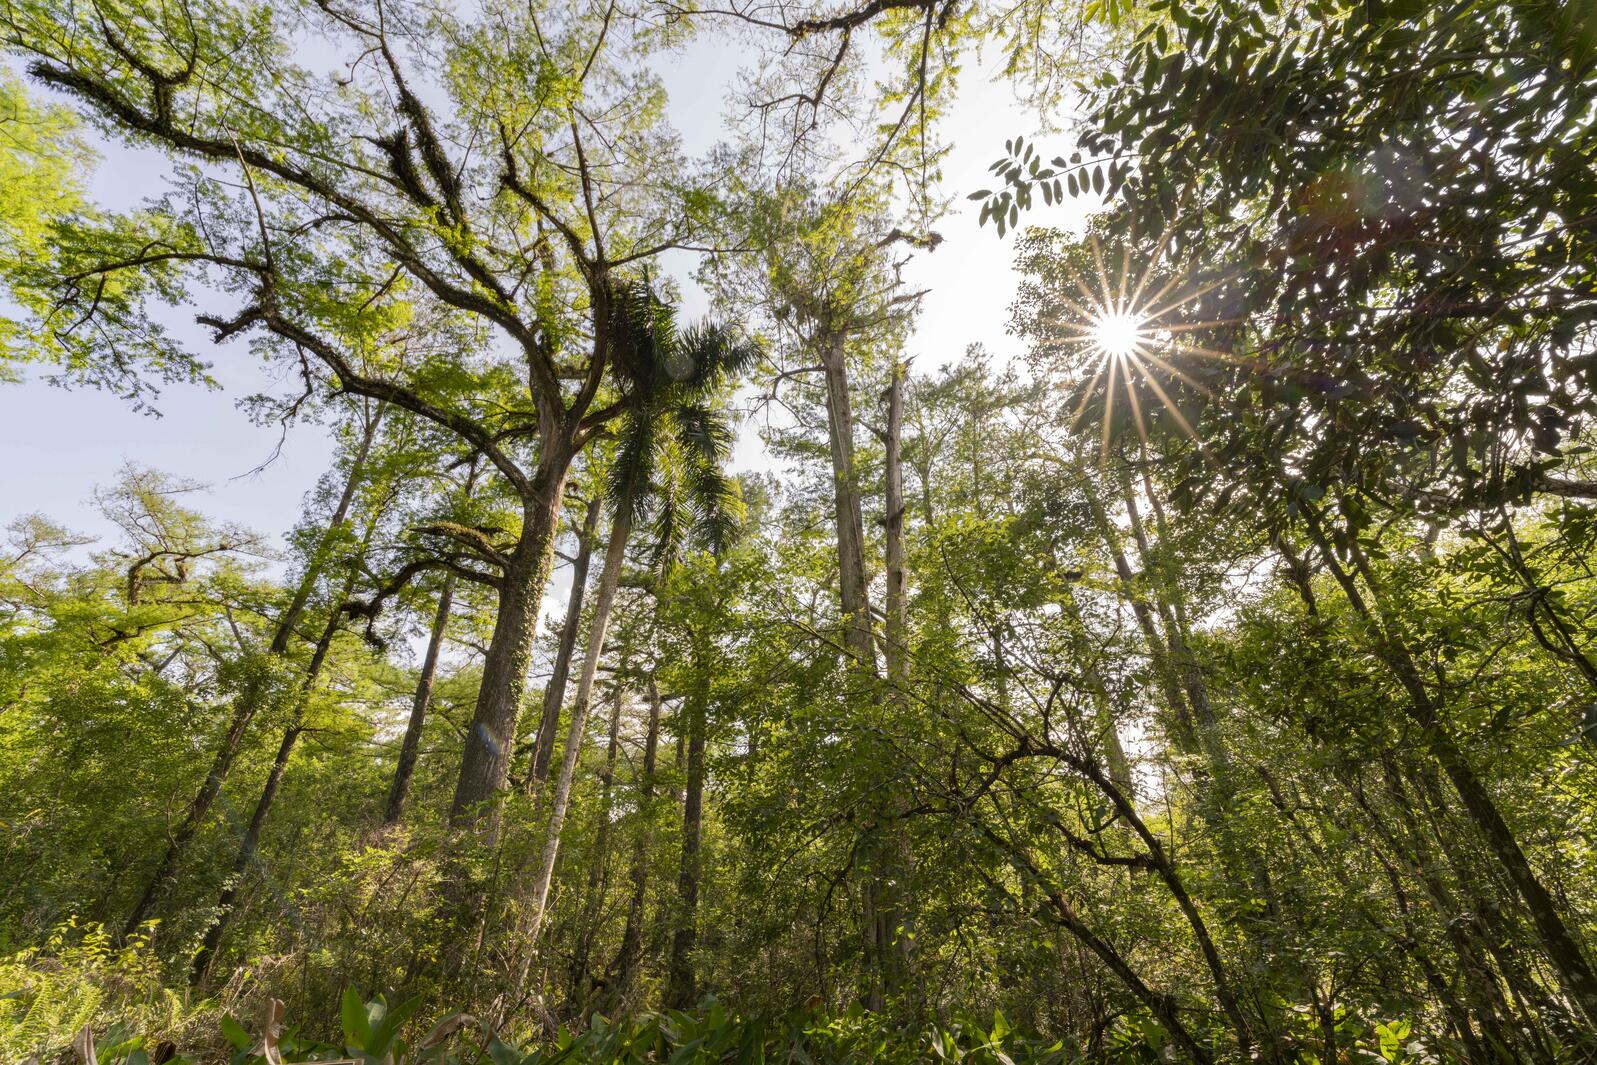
79	981
373	1035
1396	1046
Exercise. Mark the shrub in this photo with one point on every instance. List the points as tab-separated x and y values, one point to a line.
80	978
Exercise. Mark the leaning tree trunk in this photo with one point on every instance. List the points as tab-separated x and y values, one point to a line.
418	707
1558	942
1107	736
1217	795
1166	599
254	694
554	696
485	763
250	845
1158	651
1163	1006
609	581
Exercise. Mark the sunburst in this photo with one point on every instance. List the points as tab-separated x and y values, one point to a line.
1128	329
1118	335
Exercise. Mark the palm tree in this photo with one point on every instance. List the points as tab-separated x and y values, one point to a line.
673	438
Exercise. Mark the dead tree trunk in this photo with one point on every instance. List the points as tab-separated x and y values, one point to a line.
554	696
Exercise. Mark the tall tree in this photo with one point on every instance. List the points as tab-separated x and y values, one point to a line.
554	695
672	445
402	216
258	689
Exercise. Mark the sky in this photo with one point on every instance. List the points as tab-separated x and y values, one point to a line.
59	444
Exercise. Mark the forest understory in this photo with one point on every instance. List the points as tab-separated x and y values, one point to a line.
679	662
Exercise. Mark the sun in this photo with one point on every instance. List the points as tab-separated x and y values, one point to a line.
1132	328
1118	334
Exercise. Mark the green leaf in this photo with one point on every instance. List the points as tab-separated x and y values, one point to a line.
503	1053
234	1032
357	1028
383	1034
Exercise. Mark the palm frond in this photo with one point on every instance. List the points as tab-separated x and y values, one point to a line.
717	502
712	353
669	513
704	431
674	435
644	340
633	469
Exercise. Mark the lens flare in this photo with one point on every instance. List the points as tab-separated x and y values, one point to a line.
1135	328
1118	334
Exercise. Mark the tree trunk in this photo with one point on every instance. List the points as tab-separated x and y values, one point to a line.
1173	881
1172	613
609	581
418	709
599	872
200	968
1108	733
896	653
254	693
851	581
250	844
485	762
1558	942
1158	651
1162	1006
554	696
681	982
892	863
625	966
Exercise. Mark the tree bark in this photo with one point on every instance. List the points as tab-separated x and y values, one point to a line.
609	581
485	763
418	708
681	982
554	696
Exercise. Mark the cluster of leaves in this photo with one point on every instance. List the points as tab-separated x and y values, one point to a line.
1024	174
79	981
710	1033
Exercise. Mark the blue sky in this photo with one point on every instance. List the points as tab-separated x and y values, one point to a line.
59	444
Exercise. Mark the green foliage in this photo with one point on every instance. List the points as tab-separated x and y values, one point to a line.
1238	702
709	1033
77	979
